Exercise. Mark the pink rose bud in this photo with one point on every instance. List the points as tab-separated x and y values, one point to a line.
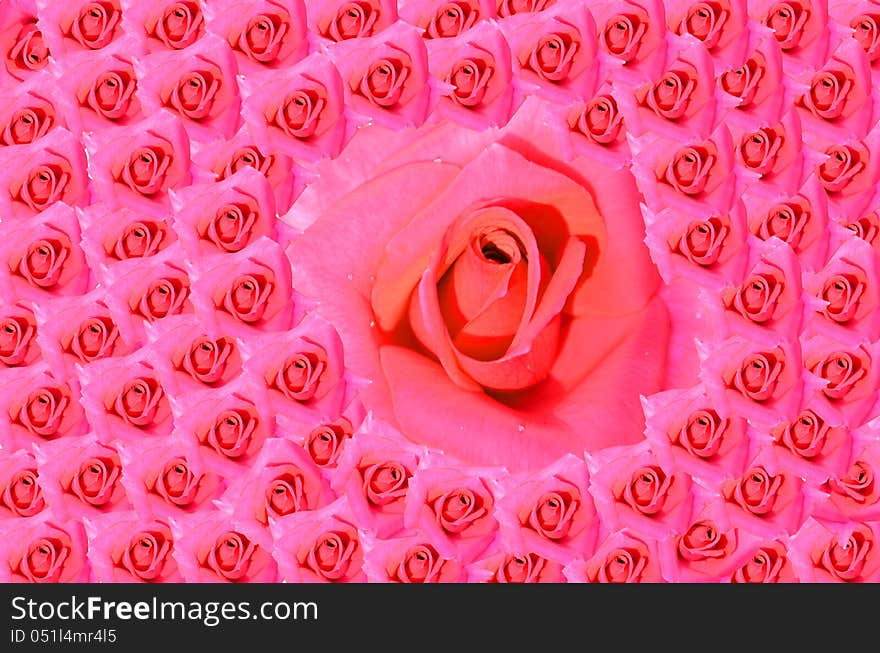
694	175
716	24
192	357
853	494
684	427
799	219
762	377
766	499
117	235
225	216
632	33
800	27
706	550
302	369
812	445
551	513
47	171
222	159
839	91
847	290
641	493
124	398
846	373
102	86
772	153
81	329
753	81
230	427
680	100
768	297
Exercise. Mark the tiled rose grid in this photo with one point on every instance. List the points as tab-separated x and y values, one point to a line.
225	226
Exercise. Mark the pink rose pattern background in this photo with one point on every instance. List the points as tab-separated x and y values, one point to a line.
439	291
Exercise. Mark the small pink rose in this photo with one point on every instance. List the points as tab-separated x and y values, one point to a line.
101	88
26	51
263	34
44	551
340	20
768	564
622	558
47	171
126	548
477	68
136	165
636	491
212	547
410	560
282	481
20	492
507	567
197	84
387	76
167	476
550	513
828	552
319	546
82	24
455	509
374	471
174	24
81	476
125	398
299	111
18	330
446	18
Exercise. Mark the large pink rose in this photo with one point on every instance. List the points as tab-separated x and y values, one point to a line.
471	284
